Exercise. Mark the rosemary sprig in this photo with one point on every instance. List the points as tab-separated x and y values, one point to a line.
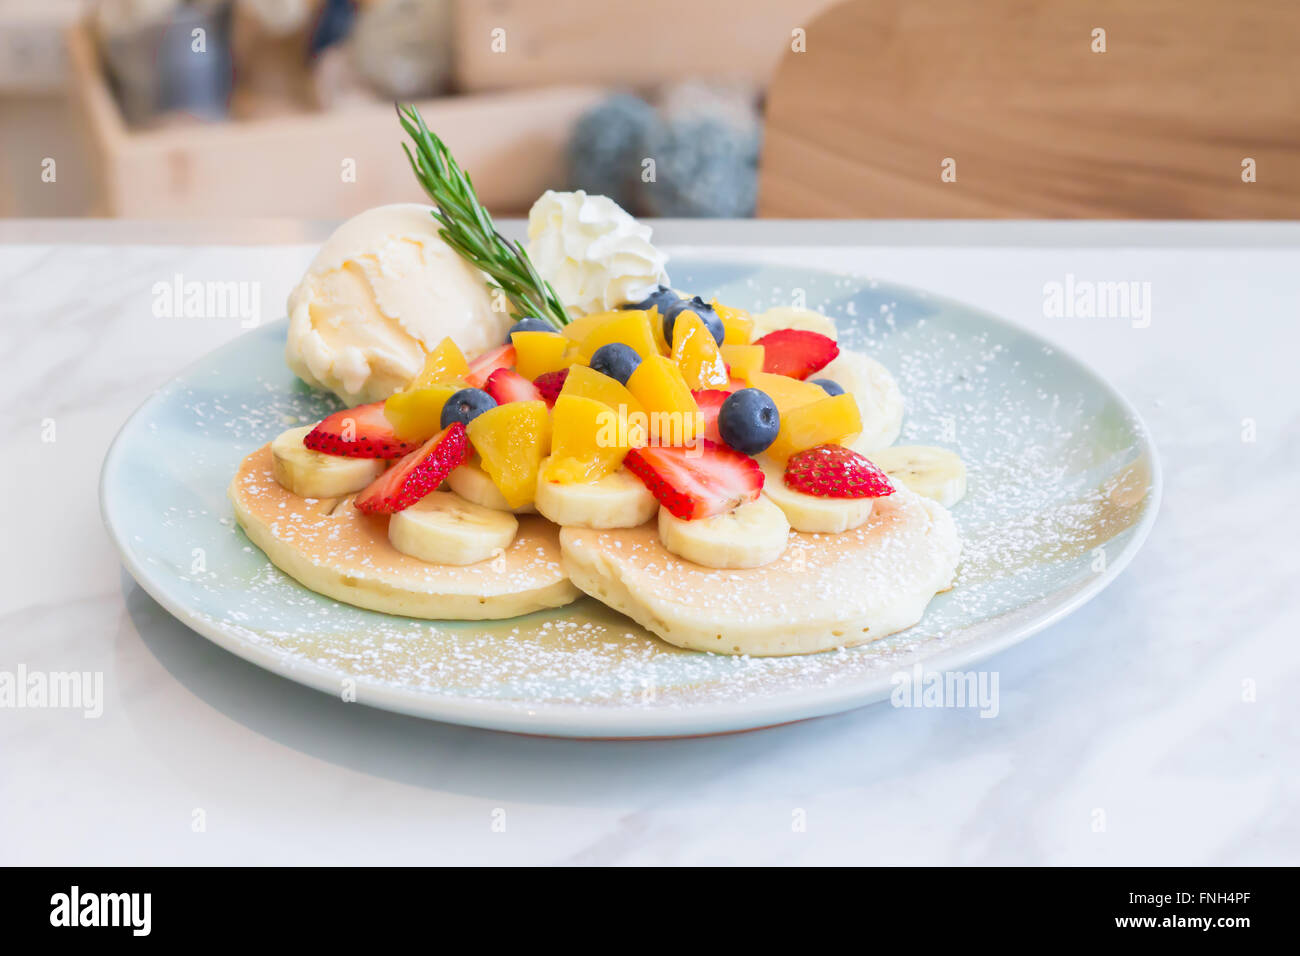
467	227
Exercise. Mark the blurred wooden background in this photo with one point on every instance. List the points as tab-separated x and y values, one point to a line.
1037	123
628	43
858	123
508	117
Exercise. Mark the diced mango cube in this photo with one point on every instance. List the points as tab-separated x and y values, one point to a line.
446	363
512	440
788	393
736	324
673	415
580	328
589	383
744	360
832	421
587	440
696	352
657	327
416	414
539	352
632	327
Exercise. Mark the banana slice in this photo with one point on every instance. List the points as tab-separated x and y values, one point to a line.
444	528
313	474
790	317
933	472
808	512
879	400
753	535
472	483
619	500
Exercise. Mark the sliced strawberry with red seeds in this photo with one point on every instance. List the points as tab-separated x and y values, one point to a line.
361	432
503	356
419	473
797	352
833	471
507	385
696	482
550	383
710	401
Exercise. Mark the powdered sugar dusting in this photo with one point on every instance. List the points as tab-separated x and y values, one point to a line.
1056	483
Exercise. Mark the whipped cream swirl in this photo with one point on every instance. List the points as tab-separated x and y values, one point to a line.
595	255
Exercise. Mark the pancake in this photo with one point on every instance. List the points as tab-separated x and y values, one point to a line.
333	549
825	591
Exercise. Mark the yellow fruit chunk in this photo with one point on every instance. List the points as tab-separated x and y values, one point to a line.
657	327
512	440
744	360
446	363
416	414
539	352
736	323
696	352
632	327
830	421
788	393
588	383
587	441
580	328
658	384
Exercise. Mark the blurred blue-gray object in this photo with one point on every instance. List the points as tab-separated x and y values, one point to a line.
607	147
180	62
333	24
694	156
704	169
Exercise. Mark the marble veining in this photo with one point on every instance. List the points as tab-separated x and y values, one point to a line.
1155	725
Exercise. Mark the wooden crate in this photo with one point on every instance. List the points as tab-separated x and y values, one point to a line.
292	166
628	43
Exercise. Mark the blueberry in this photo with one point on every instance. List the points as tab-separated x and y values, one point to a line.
531	323
748	421
829	386
700	308
466	405
660	298
616	360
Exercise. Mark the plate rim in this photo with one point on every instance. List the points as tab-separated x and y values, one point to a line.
630	723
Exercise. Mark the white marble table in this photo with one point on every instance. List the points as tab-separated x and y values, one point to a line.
1158	725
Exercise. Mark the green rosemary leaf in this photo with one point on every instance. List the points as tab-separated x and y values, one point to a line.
467	227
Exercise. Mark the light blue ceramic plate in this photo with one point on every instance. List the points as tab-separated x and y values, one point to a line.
1064	485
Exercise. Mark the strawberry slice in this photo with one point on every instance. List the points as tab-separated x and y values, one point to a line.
550	383
710	401
361	432
697	482
833	471
507	385
797	352
417	474
503	356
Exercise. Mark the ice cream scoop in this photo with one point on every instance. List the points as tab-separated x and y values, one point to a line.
382	291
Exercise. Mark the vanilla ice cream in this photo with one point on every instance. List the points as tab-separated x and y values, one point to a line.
383	290
595	255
